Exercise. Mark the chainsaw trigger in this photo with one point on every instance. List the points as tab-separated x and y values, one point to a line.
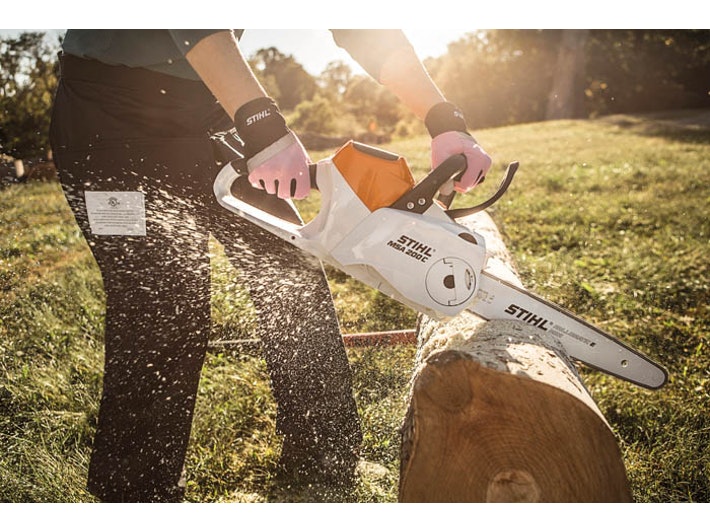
312	168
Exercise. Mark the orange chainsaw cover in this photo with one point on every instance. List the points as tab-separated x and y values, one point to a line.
378	182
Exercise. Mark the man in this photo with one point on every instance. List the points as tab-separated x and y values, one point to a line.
131	128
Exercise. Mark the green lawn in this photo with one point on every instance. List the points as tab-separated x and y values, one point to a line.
608	218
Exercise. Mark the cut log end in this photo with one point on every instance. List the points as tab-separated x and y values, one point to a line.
476	434
513	486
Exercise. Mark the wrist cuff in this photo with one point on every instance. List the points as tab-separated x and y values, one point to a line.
444	117
259	123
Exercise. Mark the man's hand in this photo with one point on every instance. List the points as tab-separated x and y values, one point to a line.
276	159
478	161
447	127
282	168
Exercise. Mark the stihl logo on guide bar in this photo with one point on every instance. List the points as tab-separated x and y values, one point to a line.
258	116
412	248
527	316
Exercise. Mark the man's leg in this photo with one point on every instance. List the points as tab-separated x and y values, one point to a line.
157	318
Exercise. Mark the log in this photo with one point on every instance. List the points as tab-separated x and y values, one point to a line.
498	413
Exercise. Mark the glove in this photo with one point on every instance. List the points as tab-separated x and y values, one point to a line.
276	159
447	127
282	168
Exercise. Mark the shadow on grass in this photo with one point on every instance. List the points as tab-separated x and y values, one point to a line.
690	126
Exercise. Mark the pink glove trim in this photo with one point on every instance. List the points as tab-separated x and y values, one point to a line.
277	166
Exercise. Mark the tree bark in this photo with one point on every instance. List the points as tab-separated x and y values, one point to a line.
498	413
563	101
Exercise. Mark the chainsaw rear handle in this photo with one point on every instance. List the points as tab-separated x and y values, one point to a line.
441	174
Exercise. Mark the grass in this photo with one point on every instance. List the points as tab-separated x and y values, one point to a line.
608	218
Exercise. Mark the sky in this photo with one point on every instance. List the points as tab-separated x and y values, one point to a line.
314	49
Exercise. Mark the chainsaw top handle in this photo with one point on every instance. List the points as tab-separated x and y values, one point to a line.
420	198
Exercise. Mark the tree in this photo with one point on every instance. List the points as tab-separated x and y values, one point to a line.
28	79
316	116
335	79
499	77
504	77
375	107
632	71
564	100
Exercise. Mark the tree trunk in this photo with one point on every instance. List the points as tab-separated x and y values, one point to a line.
563	101
497	413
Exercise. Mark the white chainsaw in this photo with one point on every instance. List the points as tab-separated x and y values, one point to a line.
377	226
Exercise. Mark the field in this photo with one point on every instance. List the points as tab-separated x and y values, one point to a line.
608	218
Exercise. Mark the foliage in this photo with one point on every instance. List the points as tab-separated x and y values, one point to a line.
335	79
287	80
498	77
372	104
501	77
28	79
606	217
314	115
635	71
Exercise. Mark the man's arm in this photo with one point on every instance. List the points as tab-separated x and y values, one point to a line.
388	56
276	159
220	63
405	76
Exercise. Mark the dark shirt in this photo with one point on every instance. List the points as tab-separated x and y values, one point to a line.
159	50
164	50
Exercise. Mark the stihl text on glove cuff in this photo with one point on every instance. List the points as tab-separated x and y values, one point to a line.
259	123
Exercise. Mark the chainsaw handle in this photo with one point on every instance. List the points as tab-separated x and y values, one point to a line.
239	165
454	214
447	199
420	198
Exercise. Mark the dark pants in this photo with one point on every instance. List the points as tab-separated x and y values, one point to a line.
121	129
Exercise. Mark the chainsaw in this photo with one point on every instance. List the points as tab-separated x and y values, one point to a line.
399	237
